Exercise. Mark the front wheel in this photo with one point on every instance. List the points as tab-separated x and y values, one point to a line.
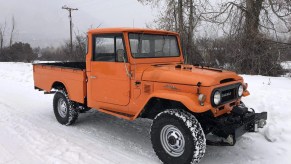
64	109
177	137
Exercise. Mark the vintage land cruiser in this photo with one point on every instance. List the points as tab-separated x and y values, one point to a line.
139	73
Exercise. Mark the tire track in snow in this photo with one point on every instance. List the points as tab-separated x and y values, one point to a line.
42	142
102	143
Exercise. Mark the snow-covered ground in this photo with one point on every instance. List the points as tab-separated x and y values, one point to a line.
30	134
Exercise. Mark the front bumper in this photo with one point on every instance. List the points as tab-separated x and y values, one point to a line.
238	122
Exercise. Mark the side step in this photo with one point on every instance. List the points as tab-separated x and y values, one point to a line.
117	114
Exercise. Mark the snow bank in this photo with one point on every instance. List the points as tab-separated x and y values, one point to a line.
29	132
286	65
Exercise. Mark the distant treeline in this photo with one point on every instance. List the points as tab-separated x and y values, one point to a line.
18	52
11	51
23	52
63	52
222	52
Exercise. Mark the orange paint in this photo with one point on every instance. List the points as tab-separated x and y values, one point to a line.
108	87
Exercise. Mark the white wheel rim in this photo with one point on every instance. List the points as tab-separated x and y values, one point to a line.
62	108
172	140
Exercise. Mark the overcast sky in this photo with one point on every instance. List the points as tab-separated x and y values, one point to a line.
43	22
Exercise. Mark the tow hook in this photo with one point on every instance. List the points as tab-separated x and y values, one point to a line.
262	123
230	140
259	124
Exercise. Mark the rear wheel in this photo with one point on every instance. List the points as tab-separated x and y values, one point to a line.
64	108
177	137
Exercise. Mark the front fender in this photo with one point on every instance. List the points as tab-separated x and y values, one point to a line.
190	100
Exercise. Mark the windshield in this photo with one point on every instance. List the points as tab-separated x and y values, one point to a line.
153	46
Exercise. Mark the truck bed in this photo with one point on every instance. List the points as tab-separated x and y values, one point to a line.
71	74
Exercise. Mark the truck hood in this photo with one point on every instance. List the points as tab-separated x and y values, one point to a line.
188	75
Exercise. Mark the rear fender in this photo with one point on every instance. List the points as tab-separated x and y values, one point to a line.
59	85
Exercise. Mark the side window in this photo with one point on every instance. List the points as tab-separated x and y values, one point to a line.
109	48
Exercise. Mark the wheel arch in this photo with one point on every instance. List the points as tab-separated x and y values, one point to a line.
58	85
185	101
155	105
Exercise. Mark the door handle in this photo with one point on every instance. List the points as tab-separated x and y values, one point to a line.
93	77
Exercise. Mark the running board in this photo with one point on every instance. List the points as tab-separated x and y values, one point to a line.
117	114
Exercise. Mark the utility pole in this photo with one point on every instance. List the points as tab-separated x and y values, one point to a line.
71	25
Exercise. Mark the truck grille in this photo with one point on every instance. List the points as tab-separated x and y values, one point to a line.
228	95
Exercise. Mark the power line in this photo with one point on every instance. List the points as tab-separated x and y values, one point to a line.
71	24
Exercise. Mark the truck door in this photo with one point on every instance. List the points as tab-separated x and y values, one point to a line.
108	77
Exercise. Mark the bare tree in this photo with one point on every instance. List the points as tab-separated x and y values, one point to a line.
80	46
183	17
2	33
251	28
12	32
256	25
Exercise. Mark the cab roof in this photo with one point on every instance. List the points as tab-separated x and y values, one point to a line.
134	30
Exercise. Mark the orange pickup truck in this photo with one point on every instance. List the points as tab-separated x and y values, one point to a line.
139	73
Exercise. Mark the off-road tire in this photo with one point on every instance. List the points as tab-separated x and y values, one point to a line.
71	114
190	128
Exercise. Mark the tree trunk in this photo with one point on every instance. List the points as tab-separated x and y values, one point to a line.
175	18
190	32
181	27
253	9
2	33
12	31
251	38
1	41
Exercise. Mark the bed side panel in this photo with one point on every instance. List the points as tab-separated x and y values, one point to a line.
73	79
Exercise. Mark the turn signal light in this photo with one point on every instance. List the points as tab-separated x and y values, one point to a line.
201	99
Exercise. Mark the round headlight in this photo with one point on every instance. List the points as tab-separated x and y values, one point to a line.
217	98
240	90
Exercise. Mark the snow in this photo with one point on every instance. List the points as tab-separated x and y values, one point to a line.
286	65
29	132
